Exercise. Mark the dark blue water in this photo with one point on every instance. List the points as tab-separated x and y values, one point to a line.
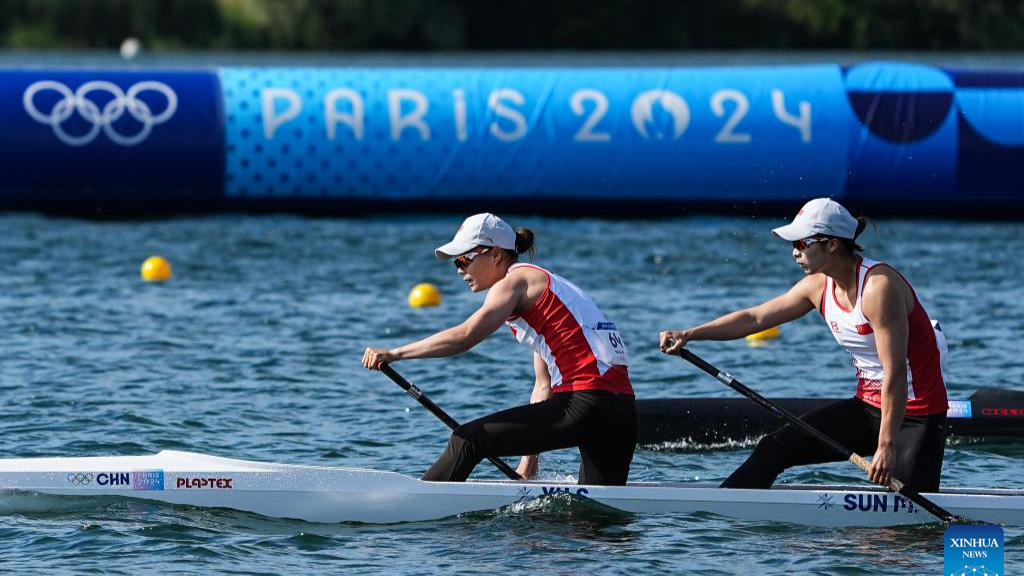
252	351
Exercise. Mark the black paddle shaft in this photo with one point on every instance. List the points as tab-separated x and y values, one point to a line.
443	416
895	485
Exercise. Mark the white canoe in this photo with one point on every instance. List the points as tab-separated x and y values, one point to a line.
327	494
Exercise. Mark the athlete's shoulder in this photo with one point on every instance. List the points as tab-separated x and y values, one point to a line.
877	268
882	276
810	285
518	266
884	287
524	270
527	274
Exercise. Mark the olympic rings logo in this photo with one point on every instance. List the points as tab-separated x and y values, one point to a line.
100	119
80	479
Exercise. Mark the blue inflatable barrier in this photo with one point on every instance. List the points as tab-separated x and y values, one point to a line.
589	134
111	141
588	140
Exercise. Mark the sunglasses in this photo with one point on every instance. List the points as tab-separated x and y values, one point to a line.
802	245
463	262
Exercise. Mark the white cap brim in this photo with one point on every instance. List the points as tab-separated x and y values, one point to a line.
453	248
794	232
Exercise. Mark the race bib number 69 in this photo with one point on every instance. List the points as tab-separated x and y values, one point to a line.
610	345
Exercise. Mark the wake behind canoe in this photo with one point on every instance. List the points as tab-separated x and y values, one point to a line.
327	494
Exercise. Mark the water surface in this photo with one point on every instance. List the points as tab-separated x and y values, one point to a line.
252	351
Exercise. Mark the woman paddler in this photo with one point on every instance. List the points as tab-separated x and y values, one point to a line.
582	395
899	410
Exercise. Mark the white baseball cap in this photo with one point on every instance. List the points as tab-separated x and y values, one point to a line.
819	216
479	230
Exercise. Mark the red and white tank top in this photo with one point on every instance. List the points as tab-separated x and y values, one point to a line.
926	348
582	349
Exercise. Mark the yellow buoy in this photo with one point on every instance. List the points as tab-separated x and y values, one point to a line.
424	294
156	269
761	338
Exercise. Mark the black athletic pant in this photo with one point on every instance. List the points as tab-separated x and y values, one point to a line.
603	425
920	445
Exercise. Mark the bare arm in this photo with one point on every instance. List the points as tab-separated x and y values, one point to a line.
799	300
885	306
529	466
500	302
542	383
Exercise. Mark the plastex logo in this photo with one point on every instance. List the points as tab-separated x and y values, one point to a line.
974	551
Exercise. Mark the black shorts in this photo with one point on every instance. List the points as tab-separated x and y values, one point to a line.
920	446
603	425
